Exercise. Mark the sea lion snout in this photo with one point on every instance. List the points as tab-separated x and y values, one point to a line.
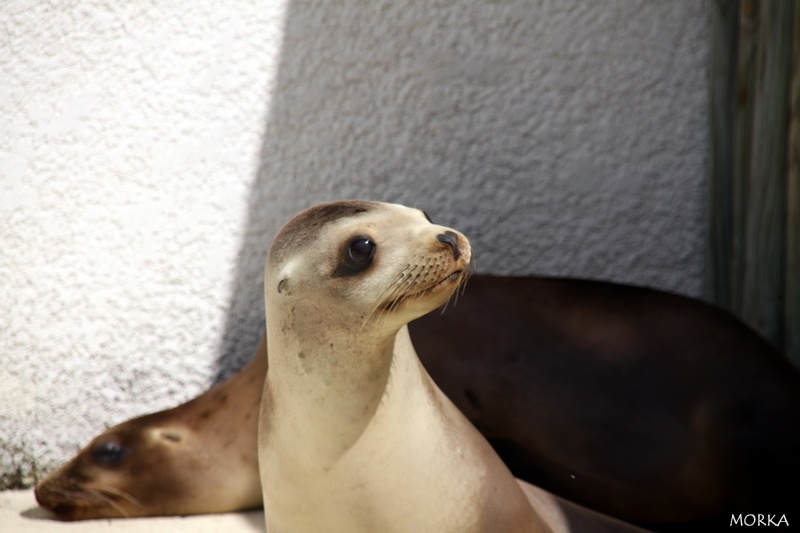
450	239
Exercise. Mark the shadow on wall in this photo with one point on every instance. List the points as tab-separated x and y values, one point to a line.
563	138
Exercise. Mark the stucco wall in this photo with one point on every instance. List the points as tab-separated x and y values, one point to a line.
149	154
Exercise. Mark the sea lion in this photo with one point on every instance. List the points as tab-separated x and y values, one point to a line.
161	464
354	435
524	358
652	407
200	457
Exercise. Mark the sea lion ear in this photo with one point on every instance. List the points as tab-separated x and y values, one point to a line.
171	436
283	284
283	279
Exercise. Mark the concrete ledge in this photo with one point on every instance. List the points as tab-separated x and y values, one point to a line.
20	513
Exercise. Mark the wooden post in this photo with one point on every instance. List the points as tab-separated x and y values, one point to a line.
793	197
722	86
754	167
746	47
764	286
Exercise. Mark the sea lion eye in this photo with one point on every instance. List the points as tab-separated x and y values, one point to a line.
361	250
109	453
357	257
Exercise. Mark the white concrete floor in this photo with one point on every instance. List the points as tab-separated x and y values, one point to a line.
20	513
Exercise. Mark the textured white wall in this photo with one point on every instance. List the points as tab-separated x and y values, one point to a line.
148	154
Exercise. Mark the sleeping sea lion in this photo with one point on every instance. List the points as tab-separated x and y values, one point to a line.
199	457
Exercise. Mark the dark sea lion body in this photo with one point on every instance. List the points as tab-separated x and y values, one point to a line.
648	406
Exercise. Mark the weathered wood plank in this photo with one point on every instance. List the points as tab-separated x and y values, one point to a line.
722	98
764	286
746	47
793	196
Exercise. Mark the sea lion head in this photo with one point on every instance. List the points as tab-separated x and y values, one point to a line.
126	471
376	263
153	465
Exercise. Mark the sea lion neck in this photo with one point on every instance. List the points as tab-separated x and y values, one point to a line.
333	383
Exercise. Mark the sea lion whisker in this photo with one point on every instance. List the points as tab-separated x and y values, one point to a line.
400	287
407	296
71	496
443	307
459	290
412	279
462	286
117	492
394	292
423	269
110	501
390	290
70	493
392	298
402	277
64	492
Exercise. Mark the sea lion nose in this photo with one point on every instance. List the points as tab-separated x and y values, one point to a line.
450	239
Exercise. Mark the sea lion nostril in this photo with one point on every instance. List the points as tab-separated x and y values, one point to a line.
451	239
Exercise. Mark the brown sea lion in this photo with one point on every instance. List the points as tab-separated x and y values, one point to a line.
199	457
522	358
